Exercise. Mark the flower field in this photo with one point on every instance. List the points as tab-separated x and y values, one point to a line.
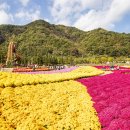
111	94
56	101
44	101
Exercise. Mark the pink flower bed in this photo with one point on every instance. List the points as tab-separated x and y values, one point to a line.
52	71
111	94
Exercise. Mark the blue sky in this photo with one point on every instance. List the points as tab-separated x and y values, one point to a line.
84	14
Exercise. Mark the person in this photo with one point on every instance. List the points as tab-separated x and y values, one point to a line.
112	67
118	67
33	67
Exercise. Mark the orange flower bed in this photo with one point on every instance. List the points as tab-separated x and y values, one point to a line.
29	69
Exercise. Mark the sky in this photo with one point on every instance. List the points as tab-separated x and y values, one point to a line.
86	15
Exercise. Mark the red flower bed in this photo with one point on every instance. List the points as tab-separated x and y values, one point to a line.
111	94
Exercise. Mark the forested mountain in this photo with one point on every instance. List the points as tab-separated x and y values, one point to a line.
43	43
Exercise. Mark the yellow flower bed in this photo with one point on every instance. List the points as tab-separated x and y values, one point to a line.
54	106
14	80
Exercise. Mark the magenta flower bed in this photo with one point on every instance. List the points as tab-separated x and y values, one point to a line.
123	71
53	71
111	94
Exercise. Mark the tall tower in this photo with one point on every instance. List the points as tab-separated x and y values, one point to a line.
11	54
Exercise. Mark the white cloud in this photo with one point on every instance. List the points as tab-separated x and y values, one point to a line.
118	9
63	10
47	20
28	16
104	18
4	6
24	2
94	19
5	16
89	14
22	16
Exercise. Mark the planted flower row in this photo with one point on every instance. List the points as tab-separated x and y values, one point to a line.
52	71
14	80
53	106
29	69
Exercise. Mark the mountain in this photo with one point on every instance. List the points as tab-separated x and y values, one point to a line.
43	43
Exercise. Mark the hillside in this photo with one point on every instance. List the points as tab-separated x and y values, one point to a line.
43	43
